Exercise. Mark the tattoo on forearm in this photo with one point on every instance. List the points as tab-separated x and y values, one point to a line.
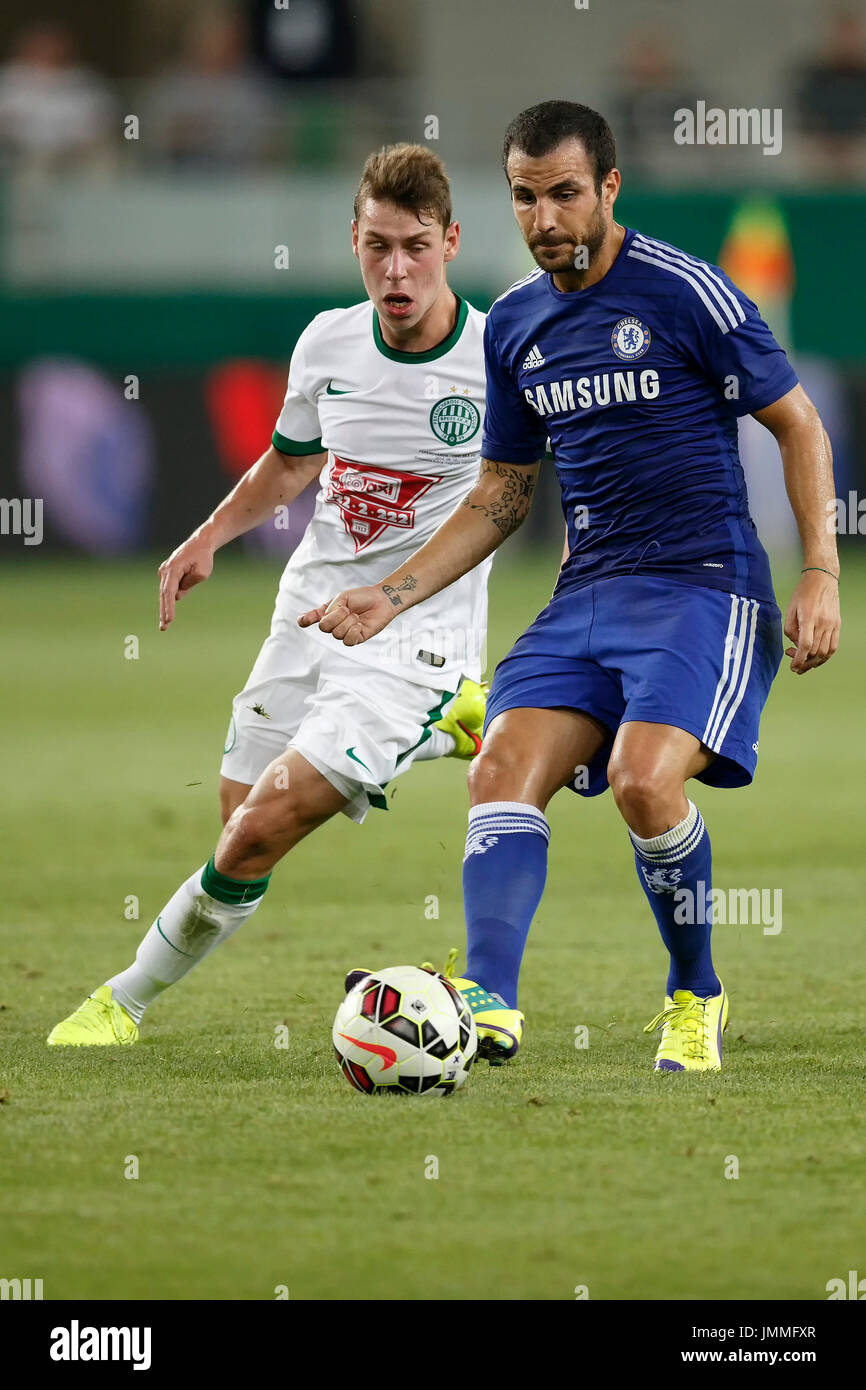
393	590
509	509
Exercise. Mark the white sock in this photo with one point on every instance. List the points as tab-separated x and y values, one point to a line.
190	926
675	843
438	745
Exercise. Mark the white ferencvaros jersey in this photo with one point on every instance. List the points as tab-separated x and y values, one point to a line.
403	436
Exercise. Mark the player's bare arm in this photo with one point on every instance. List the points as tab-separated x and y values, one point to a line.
275	479
812	621
496	506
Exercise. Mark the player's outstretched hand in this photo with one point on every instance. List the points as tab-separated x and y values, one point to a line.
187	566
353	616
813	621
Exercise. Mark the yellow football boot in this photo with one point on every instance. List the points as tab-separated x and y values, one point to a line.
465	718
691	1030
500	1029
99	1022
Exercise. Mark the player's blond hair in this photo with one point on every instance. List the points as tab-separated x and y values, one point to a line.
410	176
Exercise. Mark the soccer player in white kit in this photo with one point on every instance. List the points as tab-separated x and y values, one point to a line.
385	402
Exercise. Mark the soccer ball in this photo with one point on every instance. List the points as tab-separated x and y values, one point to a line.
404	1030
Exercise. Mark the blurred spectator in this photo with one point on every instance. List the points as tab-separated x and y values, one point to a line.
307	40
213	110
653	89
54	114
832	103
312	49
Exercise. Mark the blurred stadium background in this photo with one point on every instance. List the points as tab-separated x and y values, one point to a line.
145	334
152	157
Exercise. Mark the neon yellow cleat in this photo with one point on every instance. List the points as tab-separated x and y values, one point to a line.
99	1022
500	1029
465	718
691	1030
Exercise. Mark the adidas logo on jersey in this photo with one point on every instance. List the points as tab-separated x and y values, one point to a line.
533	358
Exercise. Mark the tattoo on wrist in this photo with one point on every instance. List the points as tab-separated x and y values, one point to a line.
393	591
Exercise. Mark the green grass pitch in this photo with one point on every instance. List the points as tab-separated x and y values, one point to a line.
258	1166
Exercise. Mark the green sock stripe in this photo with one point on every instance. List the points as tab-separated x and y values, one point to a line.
170	943
231	890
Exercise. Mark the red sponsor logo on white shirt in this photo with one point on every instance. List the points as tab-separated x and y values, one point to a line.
372	498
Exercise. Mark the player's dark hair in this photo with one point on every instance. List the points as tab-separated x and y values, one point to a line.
412	177
539	129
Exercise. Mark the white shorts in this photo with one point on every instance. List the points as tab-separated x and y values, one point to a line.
359	726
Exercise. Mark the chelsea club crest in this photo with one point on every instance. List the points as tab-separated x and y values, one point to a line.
630	339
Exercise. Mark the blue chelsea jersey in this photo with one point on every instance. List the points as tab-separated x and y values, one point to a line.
637	381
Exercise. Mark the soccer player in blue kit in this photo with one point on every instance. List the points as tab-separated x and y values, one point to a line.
653	660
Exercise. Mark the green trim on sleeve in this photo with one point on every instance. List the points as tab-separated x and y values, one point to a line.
296	446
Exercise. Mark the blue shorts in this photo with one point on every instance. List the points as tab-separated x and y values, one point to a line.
659	650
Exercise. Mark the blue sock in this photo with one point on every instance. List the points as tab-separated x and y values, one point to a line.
503	880
675	871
